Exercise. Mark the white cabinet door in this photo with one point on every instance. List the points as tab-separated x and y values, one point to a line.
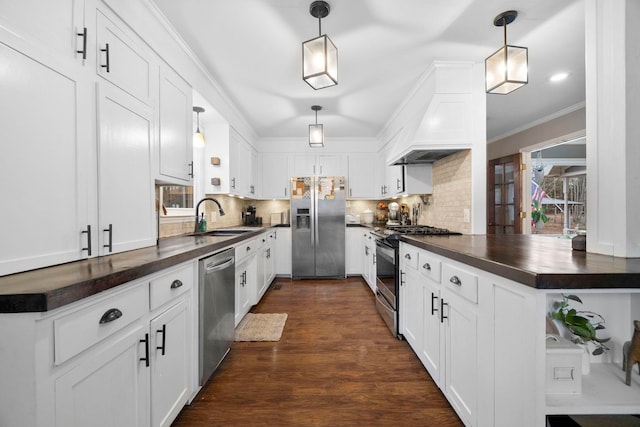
122	58
369	260
353	251
312	165
53	25
275	176
125	186
283	249
461	351
395	180
170	363
246	282
49	163
361	181
431	354
110	388
175	141
239	165
412	309
304	165
330	165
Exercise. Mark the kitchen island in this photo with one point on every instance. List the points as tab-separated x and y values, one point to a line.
474	310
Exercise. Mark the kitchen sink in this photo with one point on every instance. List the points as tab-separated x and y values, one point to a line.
225	232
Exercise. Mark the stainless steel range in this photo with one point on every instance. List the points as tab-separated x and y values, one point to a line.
388	268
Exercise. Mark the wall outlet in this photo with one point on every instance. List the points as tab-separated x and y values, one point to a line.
467	215
214	216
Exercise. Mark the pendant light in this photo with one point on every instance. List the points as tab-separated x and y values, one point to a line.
316	131
507	68
320	55
198	137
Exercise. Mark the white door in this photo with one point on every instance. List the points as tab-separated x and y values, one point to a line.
176	144
412	308
304	165
362	182
122	58
170	363
275	176
461	356
45	158
329	165
107	388
125	187
432	336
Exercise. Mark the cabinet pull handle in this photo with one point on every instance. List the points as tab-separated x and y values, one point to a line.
110	315
285	191
176	284
248	248
106	64
164	337
83	34
442	316
433	307
350	192
455	280
145	359
233	183
401	278
190	169
407	256
110	244
427	266
88	232
374	258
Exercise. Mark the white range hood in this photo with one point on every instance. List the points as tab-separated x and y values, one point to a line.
444	115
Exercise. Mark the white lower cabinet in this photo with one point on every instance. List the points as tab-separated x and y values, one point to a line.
121	357
369	260
440	325
283	250
353	251
111	387
246	277
170	360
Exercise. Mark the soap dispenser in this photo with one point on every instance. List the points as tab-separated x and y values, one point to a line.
203	224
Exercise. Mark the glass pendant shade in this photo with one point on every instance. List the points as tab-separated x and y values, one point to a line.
316	136
507	69
320	62
198	139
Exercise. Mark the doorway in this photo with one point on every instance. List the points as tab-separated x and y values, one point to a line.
504	195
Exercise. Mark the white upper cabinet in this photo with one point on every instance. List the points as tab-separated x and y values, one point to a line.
46	133
233	174
126	202
122	58
176	117
275	176
32	19
320	165
362	182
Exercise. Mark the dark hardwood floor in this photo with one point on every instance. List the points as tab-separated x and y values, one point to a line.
336	364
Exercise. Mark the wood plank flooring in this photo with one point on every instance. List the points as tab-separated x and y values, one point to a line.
336	364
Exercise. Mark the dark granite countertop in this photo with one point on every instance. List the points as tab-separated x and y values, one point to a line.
52	287
538	261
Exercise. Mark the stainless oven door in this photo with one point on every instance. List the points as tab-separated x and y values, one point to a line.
386	272
388	314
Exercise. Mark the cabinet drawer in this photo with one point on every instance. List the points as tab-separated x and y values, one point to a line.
409	256
171	285
246	249
429	266
461	282
92	323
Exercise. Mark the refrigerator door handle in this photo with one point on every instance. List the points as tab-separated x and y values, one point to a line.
312	214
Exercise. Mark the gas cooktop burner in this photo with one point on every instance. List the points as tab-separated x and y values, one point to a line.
420	230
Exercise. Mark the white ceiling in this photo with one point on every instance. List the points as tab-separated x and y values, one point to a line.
252	48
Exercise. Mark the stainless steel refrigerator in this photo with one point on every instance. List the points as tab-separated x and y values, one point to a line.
318	207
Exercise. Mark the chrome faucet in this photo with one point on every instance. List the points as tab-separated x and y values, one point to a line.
197	226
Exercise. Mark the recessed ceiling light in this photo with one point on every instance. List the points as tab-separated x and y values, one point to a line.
558	77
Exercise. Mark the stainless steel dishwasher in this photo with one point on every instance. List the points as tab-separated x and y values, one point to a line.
217	310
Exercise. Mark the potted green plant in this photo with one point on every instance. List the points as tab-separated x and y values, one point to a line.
583	325
538	213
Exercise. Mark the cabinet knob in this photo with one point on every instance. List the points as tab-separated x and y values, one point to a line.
407	256
456	280
427	266
176	284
